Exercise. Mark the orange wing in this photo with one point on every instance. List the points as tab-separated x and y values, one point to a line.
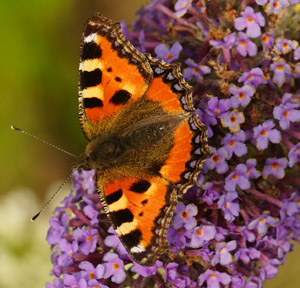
190	148
112	73
140	211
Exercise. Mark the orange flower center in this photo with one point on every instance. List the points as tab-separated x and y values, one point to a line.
170	56
180	230
184	214
116	266
217	111
226	204
222	250
200	232
275	165
285	45
185	4
89	238
280	67
241	95
235	176
275	4
243	42
250	19
266	38
196	70
285	114
92	275
263	133
199	4
233	119
216	158
262	221
217	187
231	143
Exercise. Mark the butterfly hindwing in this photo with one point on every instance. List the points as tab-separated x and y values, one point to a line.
140	211
112	73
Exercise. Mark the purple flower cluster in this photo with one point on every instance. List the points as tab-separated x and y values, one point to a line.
235	226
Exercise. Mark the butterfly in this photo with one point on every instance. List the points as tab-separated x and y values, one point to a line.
144	141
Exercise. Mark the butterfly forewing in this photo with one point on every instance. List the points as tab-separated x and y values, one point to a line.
111	73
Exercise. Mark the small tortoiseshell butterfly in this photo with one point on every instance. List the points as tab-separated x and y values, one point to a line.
145	143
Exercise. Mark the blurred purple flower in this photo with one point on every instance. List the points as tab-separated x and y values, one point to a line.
200	5
218	160
74	281
255	77
228	42
237	177
286	113
275	6
146	271
251	170
233	120
90	272
223	255
57	283
184	216
213	279
217	108
234	143
280	69
275	167
195	71
267	41
264	133
251	21
245	46
241	96
178	238
284	46
261	224
181	7
202	235
168	54
86	240
247	254
294	155
212	192
297	54
261	2
114	268
113	240
67	250
229	204
93	283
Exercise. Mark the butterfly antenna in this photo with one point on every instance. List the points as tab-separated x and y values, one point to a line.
42	140
48	202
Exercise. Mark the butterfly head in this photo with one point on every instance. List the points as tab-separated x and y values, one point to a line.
101	155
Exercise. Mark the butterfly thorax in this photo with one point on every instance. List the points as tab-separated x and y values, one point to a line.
149	139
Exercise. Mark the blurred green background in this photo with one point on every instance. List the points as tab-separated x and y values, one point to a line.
38	74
